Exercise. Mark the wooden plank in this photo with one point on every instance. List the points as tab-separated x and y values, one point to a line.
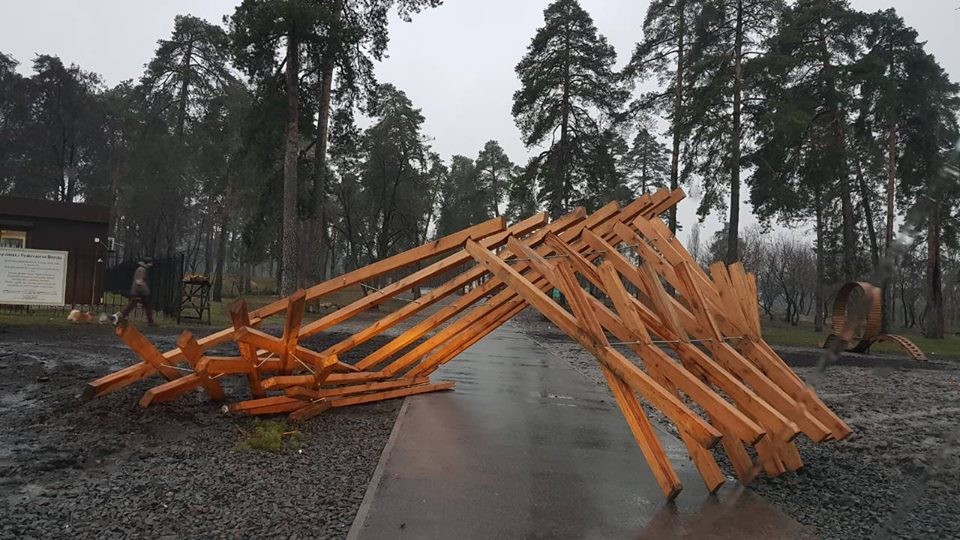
117	380
724	288
170	390
284	381
280	408
191	350
632	375
313	409
259	403
291	328
443	291
391	394
351	378
313	393
240	317
646	437
139	344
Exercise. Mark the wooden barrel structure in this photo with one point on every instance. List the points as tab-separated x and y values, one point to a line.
862	330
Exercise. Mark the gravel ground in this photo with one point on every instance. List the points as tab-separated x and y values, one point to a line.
897	475
108	468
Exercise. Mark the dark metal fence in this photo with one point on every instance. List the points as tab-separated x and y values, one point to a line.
164	278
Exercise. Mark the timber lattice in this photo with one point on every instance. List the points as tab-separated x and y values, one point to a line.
744	393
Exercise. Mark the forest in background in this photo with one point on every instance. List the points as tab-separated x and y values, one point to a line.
241	144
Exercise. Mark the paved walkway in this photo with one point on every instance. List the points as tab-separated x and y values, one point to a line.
526	447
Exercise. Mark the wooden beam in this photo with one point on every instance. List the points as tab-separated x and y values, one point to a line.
646	437
377	297
145	350
391	394
705	434
296	303
240	318
454	285
313	393
199	363
724	355
383	266
117	380
470	333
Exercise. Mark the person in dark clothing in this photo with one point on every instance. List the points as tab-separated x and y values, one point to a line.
139	293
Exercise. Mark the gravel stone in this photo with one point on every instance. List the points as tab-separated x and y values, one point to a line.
110	469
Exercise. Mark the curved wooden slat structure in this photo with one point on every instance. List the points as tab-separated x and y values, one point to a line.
859	331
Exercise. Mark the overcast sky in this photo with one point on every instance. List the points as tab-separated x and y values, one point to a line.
455	62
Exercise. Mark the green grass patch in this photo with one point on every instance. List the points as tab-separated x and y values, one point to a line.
803	335
268	436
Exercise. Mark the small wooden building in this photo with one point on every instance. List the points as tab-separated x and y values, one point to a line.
79	229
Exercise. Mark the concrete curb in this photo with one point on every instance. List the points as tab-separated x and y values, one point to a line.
367	502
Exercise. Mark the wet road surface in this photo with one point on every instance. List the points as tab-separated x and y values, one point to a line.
525	447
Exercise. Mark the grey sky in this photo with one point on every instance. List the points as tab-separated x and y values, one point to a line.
455	62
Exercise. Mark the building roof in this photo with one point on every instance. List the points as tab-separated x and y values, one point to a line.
41	208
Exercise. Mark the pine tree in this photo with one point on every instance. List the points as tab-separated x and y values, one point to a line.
889	97
396	188
62	123
521	193
664	54
647	162
259	29
461	202
802	158
605	176
493	175
725	32
188	69
566	83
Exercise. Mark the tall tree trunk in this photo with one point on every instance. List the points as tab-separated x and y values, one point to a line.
885	294
184	93
818	308
323	120
677	111
317	236
934	321
208	255
563	199
733	222
288	276
221	249
867	211
839	145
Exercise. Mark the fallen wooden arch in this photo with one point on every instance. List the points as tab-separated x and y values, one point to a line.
747	394
860	331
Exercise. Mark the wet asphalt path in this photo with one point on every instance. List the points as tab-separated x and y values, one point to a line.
525	447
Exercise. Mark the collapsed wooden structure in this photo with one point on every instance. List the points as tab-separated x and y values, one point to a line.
722	385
